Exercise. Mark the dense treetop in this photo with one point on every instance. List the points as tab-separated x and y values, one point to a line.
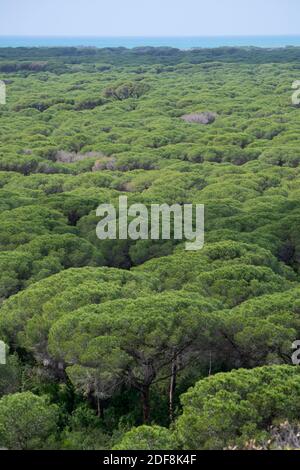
140	344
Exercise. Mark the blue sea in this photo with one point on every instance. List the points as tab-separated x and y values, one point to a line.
130	42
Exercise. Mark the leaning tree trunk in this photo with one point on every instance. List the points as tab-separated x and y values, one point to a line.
145	396
172	387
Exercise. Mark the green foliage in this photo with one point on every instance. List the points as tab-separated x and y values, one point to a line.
237	406
83	431
126	90
10	375
147	438
26	318
26	421
115	331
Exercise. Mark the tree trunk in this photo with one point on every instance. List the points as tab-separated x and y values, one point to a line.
100	409
210	364
146	404
172	388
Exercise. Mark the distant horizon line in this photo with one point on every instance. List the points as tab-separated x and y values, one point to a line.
148	36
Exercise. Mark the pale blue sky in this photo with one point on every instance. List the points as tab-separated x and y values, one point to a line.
149	17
